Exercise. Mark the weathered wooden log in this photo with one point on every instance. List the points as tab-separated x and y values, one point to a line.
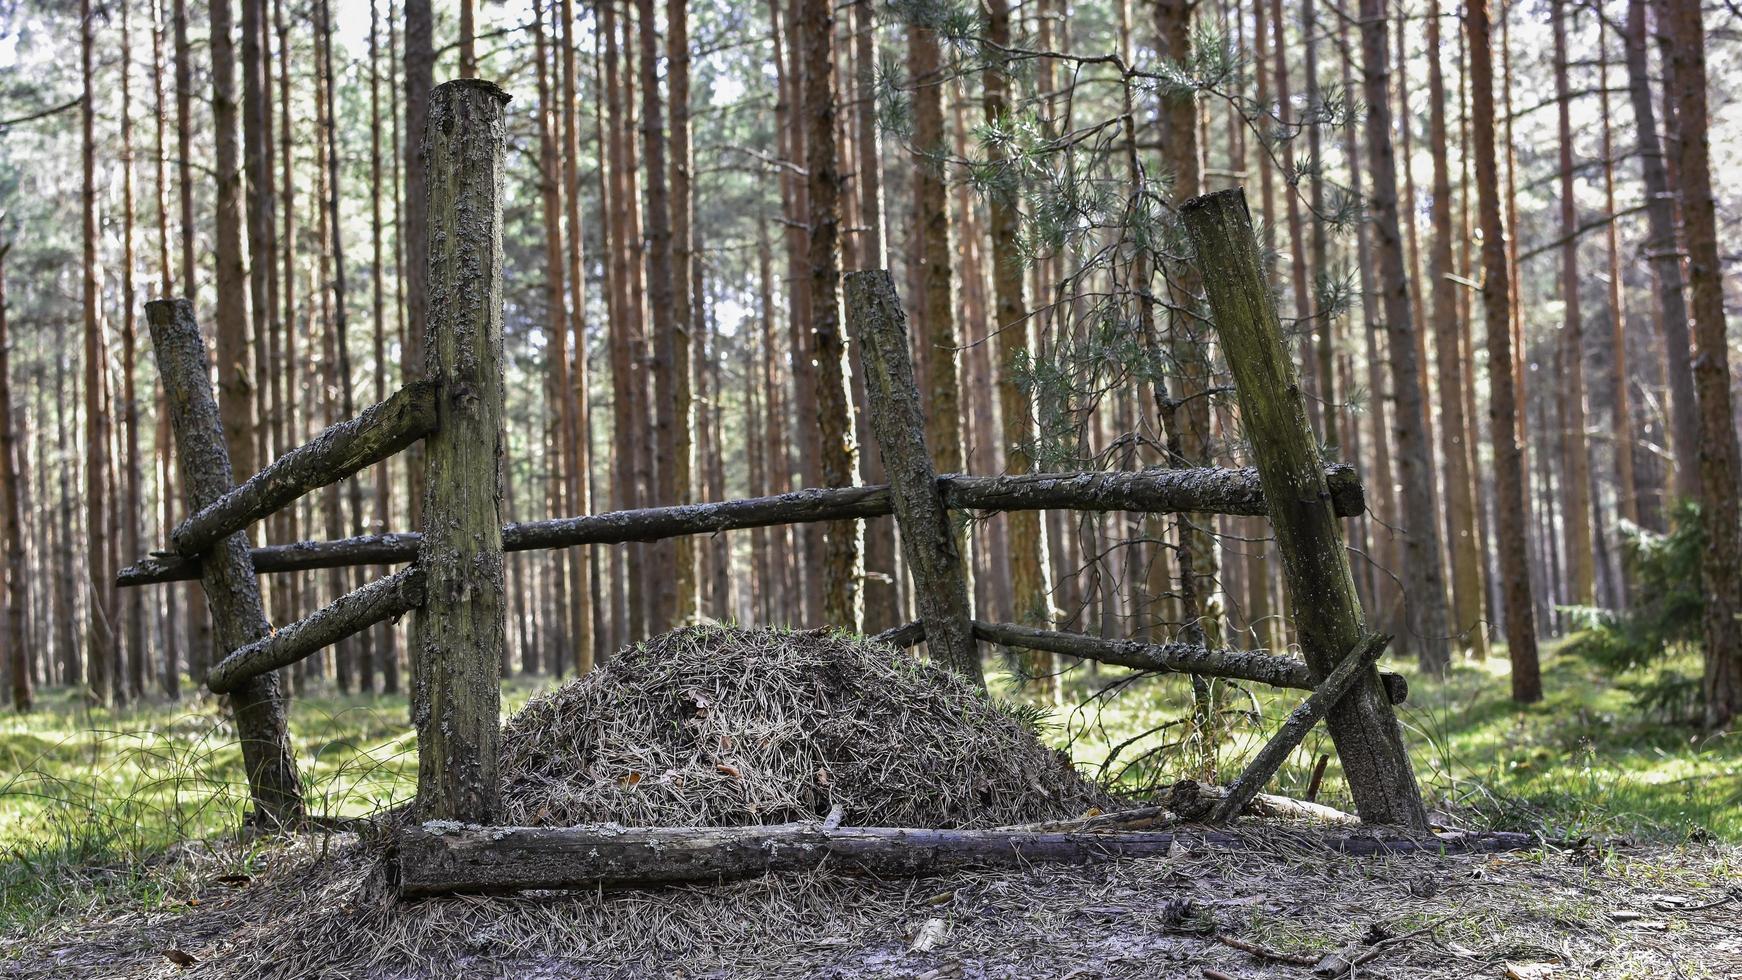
1191	800
934	557
1236	491
442	857
1273	415
1256	666
227	575
462	626
339	451
352	613
1263	766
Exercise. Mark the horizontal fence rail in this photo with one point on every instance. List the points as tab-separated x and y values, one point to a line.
1204	490
339	451
348	615
1256	666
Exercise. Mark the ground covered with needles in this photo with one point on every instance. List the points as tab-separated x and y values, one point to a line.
714	726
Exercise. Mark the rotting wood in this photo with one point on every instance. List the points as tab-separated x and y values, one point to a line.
1301	720
341	450
1207	490
1316	568
377	602
1257	666
443	857
934	557
461	628
1194	802
227	575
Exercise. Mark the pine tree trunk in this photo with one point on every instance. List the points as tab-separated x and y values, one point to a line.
100	650
132	502
1621	413
1424	600
843	569
419	79
12	482
684	310
1581	562
574	400
1511	484
1455	443
1030	579
1720	459
943	420
661	296
1666	263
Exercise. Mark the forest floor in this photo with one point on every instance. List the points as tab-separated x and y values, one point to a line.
94	807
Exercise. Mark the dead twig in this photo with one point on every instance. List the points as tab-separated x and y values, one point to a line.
1265	952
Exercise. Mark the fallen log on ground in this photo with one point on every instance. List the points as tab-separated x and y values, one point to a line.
340	450
1192	801
1227	491
440	857
1257	666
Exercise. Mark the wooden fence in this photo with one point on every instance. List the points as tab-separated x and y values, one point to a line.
454	584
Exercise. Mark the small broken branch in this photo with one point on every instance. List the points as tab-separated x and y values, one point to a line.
347	615
1300	721
339	451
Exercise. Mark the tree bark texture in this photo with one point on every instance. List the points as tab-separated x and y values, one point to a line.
930	543
1328	614
227	574
462	628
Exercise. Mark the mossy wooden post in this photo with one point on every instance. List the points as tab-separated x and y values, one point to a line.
462	627
1273	413
226	570
940	586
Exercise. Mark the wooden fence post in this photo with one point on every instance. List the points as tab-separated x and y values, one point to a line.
879	326
462	627
1273	412
226	571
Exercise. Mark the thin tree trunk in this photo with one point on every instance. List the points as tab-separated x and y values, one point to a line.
1581	562
1455	443
1424	601
99	636
419	79
1511	484
385	649
132	509
12	520
661	296
943	434
1621	411
574	402
684	311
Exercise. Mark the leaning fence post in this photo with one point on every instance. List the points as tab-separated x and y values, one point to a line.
1273	412
462	627
940	586
226	570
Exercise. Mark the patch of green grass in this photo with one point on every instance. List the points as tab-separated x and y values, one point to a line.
90	798
1584	761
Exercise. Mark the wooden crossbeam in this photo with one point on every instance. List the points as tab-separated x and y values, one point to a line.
348	615
1216	490
1255	666
340	450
